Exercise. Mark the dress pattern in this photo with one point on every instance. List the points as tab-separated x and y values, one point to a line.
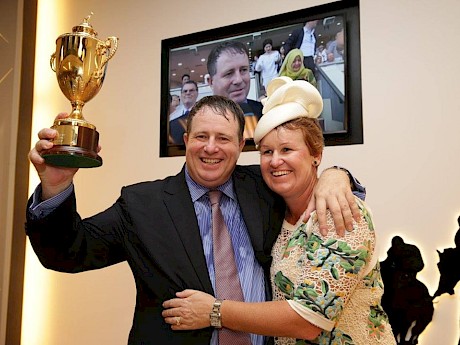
333	282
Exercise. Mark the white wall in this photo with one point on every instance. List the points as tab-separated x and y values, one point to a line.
409	159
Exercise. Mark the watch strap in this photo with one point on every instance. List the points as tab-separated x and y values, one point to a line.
215	317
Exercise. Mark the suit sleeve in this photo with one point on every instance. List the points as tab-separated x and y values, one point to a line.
64	242
291	41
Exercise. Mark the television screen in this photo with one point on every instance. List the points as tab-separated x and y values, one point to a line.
327	38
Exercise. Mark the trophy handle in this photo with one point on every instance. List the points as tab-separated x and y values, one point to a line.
53	62
112	45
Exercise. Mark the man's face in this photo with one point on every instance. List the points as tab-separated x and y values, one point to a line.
232	78
189	94
212	147
175	100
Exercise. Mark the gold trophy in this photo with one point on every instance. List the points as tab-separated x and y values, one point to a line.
80	63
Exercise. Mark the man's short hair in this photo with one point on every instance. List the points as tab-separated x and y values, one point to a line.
220	105
189	82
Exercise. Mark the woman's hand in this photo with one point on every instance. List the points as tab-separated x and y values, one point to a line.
189	311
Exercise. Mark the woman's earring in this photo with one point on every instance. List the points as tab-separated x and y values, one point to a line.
315	163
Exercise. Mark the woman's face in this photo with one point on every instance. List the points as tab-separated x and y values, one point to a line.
296	64
268	48
286	163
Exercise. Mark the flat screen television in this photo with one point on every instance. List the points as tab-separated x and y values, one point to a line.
338	74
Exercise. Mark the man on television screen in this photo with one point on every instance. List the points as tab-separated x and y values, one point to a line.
228	67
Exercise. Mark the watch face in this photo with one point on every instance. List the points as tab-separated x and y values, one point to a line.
215	320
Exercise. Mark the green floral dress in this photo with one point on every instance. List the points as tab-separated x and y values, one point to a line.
332	282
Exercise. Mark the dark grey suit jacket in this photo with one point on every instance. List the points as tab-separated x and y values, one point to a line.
153	227
294	40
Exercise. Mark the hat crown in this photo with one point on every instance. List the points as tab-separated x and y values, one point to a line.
287	100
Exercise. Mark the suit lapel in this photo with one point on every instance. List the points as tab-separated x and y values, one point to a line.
180	207
249	201
262	211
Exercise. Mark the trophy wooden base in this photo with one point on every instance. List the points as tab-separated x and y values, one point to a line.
75	146
66	158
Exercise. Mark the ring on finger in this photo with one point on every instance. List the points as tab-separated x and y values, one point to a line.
177	320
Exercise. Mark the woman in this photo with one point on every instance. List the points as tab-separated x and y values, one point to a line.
326	289
283	56
267	63
293	67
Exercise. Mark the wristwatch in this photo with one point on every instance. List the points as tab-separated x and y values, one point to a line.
215	316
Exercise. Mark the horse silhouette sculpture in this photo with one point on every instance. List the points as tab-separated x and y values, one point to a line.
406	300
448	267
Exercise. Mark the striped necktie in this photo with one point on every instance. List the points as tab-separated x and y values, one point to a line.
227	279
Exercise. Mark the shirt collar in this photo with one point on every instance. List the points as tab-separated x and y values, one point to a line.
178	112
308	31
197	190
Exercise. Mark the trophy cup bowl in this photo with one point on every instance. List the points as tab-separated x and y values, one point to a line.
80	63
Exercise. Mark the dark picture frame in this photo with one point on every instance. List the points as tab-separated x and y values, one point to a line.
339	81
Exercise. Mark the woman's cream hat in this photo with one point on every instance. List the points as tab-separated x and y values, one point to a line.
287	100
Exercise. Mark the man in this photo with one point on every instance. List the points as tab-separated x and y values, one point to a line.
174	101
161	228
337	46
178	119
228	67
185	78
304	39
